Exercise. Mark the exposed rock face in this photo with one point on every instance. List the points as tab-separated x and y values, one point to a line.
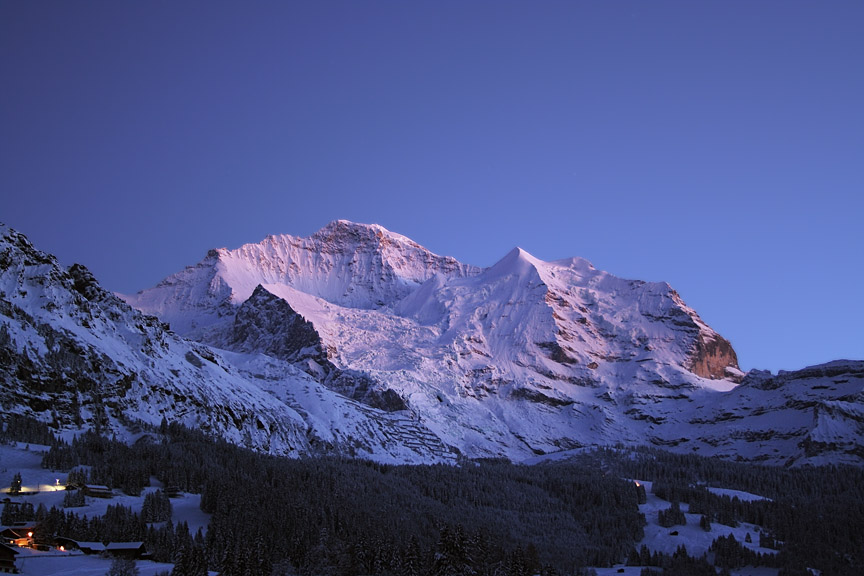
76	355
267	324
712	357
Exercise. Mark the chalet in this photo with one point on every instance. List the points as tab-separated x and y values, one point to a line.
97	491
19	534
63	543
172	491
134	550
91	547
7	559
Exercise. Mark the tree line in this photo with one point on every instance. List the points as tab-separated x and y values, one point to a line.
333	516
813	516
342	516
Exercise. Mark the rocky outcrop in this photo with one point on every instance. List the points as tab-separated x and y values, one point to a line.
268	325
712	356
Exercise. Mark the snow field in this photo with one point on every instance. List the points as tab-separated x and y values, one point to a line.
692	536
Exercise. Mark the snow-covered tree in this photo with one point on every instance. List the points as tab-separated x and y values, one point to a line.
123	567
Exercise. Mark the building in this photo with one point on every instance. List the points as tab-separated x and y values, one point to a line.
97	491
19	534
63	543
7	559
172	491
134	550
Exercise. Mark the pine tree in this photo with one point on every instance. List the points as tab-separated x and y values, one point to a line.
123	567
671	516
15	488
411	558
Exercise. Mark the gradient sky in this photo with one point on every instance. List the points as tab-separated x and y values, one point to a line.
718	146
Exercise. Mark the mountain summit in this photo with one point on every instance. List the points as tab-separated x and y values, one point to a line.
346	264
525	354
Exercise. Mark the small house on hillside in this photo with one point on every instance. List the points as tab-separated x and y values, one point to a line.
7	559
63	543
172	491
134	550
97	491
85	547
19	534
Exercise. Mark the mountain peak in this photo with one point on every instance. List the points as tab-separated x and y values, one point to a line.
350	226
348	230
517	262
345	263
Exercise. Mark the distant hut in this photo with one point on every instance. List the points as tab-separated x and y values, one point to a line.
97	491
63	543
90	547
172	491
133	550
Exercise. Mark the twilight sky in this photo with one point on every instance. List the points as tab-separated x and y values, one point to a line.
718	146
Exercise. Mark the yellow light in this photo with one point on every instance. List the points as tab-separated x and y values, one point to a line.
62	549
29	534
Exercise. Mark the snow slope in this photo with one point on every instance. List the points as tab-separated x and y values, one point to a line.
77	356
813	416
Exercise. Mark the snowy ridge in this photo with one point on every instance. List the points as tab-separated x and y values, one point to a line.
78	356
348	264
814	415
524	357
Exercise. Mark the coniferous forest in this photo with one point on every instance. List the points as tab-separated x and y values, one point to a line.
329	516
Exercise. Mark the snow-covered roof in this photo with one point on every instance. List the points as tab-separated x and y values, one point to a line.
91	545
123	546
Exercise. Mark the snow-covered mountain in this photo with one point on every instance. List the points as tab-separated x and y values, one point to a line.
75	355
358	341
523	357
814	415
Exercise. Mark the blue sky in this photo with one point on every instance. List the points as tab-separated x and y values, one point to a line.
718	146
